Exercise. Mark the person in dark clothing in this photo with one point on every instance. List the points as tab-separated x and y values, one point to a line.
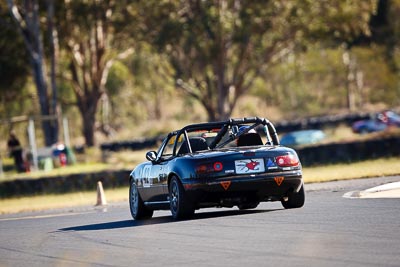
15	149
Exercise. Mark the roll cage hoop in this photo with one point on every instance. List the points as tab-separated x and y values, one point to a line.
224	126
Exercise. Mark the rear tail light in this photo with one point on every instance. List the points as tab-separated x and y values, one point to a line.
287	160
209	167
218	166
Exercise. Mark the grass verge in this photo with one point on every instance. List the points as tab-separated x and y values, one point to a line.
370	168
67	170
362	169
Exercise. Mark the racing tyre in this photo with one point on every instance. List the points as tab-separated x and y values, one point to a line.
180	205
295	200
138	209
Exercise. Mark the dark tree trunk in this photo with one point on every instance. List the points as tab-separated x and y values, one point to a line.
89	120
53	43
37	57
88	108
211	114
29	26
48	125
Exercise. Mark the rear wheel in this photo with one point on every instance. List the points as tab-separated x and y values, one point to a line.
294	200
180	205
138	209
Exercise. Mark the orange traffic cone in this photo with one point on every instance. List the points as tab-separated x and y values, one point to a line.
101	198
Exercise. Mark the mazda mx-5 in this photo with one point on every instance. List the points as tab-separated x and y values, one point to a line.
238	162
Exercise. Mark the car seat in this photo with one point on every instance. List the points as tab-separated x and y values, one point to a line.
196	143
249	139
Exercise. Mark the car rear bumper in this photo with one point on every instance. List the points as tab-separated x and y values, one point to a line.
235	190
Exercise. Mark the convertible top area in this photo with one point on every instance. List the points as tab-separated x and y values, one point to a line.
237	162
237	127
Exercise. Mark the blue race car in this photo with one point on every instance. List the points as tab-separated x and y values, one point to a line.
380	123
302	137
238	162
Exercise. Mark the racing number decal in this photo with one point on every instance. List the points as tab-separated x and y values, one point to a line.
146	176
279	180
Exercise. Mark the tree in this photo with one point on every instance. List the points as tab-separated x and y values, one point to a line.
153	75
54	54
385	30
218	48
14	64
344	24
27	18
92	33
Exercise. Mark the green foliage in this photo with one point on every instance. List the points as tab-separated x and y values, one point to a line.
379	86
339	21
117	78
144	85
219	48
14	66
314	82
14	63
93	36
287	53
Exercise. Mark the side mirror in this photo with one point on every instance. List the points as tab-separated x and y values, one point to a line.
151	155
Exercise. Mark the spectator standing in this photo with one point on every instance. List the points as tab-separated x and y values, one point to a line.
15	150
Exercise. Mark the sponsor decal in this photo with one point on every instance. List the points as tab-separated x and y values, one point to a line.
279	180
229	171
249	166
225	184
271	165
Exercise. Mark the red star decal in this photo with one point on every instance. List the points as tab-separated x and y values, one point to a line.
252	165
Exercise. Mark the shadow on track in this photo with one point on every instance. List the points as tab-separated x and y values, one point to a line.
161	220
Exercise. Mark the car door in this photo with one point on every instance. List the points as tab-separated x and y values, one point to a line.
160	181
146	178
155	185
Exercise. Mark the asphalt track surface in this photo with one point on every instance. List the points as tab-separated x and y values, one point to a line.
330	230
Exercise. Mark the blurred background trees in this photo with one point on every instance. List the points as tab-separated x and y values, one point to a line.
92	39
27	17
14	67
121	69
